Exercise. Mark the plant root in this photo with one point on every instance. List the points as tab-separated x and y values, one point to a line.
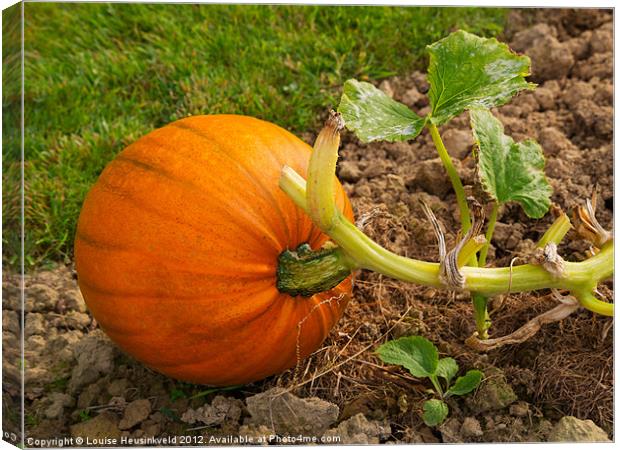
567	306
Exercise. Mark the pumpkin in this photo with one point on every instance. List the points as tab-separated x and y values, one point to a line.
177	245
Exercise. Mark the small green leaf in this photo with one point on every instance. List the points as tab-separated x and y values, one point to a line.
435	412
467	383
467	71
447	369
374	116
415	353
510	171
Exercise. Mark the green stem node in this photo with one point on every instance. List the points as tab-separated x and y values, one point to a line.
306	272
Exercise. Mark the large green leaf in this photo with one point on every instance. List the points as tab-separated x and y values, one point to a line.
415	353
510	171
467	71
374	116
467	383
435	412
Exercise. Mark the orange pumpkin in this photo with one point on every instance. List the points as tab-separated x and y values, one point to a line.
177	245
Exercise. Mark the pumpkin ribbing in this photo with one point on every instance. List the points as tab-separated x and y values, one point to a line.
177	246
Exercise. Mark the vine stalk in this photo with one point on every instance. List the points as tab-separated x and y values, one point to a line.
580	278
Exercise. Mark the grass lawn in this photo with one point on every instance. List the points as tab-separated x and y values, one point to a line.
99	76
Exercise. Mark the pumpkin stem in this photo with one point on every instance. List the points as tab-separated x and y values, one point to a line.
306	272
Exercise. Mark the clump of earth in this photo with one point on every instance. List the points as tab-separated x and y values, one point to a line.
557	386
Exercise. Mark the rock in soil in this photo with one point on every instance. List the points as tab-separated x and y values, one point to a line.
471	427
288	414
135	412
104	426
358	430
494	393
572	429
95	357
220	410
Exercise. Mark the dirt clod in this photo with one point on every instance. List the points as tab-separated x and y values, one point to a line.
359	430
95	357
571	429
135	412
102	427
220	410
288	414
494	393
471	427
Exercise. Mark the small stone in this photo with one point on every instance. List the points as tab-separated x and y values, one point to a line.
289	414
135	412
358	430
103	427
471	428
572	429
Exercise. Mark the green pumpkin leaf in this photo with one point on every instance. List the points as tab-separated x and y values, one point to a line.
510	171
435	412
466	384
372	115
447	369
415	353
467	71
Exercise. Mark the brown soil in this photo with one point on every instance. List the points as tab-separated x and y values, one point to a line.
565	369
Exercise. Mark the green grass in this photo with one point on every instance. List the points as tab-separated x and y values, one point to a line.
99	76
